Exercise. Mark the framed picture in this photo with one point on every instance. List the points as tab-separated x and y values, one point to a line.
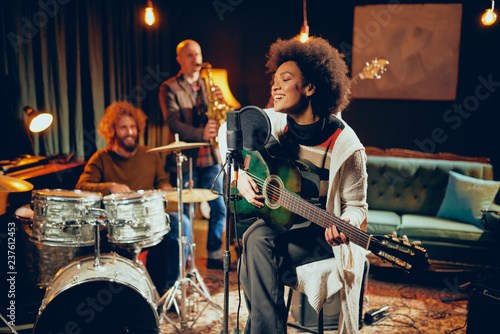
421	44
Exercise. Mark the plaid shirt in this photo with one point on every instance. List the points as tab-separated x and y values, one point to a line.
205	157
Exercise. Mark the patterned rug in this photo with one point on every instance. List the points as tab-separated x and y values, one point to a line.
436	303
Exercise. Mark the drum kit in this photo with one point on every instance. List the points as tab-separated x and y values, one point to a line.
108	293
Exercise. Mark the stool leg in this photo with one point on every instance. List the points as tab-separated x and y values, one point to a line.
289	301
320	321
305	329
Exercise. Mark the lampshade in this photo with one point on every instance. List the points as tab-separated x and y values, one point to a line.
38	121
220	79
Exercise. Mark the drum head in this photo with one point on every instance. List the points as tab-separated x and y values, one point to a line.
97	307
134	195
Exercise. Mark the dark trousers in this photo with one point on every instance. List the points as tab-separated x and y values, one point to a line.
203	177
268	264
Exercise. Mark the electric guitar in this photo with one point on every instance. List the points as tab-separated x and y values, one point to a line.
372	70
280	184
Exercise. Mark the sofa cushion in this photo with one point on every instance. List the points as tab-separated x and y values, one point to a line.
414	186
421	228
465	197
382	222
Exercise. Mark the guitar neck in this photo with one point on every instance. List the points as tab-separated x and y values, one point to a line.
355	79
323	218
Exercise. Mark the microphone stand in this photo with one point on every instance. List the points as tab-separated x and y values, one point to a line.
227	253
234	145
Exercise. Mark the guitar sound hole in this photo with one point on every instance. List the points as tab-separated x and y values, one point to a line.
273	191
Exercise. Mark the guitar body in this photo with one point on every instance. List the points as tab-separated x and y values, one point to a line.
269	168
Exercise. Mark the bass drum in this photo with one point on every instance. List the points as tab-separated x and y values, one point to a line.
113	298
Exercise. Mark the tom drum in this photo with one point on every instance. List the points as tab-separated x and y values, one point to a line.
136	218
62	217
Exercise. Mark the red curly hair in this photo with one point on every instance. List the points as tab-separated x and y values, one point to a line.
113	113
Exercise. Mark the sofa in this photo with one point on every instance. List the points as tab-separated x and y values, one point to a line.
416	194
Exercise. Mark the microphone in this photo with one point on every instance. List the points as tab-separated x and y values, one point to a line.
253	124
234	133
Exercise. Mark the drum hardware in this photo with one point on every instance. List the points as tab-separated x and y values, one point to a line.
185	280
97	213
12	329
177	146
8	186
192	195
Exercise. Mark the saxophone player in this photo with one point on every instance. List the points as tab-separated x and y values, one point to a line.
183	101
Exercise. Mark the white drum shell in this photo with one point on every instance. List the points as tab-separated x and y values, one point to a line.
136	219
117	275
61	217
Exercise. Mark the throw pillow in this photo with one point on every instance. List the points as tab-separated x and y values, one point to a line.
465	196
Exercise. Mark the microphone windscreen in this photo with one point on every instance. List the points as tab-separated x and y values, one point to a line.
256	128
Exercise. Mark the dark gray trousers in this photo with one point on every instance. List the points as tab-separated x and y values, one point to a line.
270	257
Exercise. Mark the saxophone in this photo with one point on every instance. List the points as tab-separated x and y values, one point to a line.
215	109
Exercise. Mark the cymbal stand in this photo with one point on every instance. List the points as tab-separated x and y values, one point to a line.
193	271
184	281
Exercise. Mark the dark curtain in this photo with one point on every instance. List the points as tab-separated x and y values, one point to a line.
73	58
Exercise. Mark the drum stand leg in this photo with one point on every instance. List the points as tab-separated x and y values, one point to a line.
185	280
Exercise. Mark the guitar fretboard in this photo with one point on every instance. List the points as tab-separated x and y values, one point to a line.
320	217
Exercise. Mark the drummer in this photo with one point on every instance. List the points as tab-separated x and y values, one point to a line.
123	167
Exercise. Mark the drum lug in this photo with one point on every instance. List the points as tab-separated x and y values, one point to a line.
95	212
43	208
114	212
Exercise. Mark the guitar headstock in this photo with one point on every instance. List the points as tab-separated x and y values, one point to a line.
374	69
401	253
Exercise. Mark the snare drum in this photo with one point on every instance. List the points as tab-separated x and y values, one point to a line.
61	217
115	297
136	219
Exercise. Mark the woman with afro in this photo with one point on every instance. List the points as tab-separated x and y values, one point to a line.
310	85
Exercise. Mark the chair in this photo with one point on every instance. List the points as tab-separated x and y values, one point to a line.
303	312
320	326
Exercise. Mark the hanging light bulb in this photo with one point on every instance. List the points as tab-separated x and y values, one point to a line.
489	17
150	16
304	31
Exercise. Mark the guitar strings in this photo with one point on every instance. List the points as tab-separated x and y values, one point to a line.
293	198
299	202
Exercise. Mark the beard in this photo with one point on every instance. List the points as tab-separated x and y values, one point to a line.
129	147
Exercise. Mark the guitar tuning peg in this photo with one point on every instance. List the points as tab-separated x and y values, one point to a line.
405	239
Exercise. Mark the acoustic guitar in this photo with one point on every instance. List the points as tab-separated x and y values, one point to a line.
280	180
